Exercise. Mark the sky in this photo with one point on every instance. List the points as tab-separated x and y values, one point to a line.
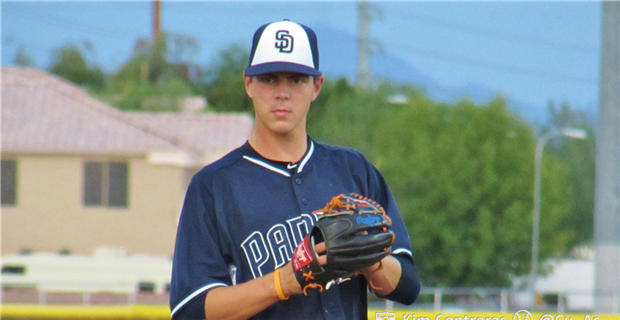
531	52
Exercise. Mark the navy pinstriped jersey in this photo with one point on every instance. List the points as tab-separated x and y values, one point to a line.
243	215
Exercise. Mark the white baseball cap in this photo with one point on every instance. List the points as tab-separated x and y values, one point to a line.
284	46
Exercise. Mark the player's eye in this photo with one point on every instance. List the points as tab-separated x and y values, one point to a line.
299	80
266	79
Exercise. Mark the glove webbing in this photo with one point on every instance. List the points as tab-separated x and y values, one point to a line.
337	207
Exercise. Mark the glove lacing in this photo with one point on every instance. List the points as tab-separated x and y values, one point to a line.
332	209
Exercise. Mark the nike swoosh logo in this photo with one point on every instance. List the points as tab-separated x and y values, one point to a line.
291	166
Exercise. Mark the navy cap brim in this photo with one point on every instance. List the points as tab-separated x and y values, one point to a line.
270	67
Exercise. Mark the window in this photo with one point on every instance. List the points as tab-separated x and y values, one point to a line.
9	182
144	286
105	184
13	269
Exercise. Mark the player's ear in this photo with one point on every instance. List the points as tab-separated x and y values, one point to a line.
318	84
247	83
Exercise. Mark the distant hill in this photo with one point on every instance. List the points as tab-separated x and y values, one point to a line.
336	45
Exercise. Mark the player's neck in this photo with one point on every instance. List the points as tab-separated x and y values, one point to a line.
285	148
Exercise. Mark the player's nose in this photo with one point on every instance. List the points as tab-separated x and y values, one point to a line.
283	90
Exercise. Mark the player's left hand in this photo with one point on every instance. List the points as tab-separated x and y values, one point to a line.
352	234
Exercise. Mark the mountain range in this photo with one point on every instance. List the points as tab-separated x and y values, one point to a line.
336	45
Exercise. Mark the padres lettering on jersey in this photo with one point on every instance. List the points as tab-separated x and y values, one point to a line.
277	245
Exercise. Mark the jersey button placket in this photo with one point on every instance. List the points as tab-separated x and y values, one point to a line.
298	188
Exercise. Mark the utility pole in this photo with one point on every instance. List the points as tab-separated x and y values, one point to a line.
363	46
156	19
607	195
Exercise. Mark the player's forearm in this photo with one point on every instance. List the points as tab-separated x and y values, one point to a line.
247	299
384	281
241	301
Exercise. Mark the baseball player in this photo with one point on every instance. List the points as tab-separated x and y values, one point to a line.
246	214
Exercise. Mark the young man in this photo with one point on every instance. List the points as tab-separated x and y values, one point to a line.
244	214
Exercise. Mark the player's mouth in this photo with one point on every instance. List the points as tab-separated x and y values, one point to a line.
281	113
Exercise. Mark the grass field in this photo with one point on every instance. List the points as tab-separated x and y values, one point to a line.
29	311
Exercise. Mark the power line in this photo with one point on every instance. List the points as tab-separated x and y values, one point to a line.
407	49
492	33
63	22
73	25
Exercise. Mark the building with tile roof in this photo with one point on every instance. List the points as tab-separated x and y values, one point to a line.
78	174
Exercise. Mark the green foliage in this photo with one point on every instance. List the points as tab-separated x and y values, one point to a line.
69	63
462	175
148	81
341	89
160	96
344	116
579	156
225	89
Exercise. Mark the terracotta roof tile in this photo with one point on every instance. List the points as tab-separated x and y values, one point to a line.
45	114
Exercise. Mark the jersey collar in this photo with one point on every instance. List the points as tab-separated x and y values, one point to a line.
276	166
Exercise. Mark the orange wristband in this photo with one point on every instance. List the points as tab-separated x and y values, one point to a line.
276	280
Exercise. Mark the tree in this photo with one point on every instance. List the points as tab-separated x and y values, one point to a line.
331	93
69	63
182	48
148	81
462	176
225	89
579	156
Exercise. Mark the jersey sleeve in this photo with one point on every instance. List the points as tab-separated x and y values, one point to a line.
408	287
198	264
379	191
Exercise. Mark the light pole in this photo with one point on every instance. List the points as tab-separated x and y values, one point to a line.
568	132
